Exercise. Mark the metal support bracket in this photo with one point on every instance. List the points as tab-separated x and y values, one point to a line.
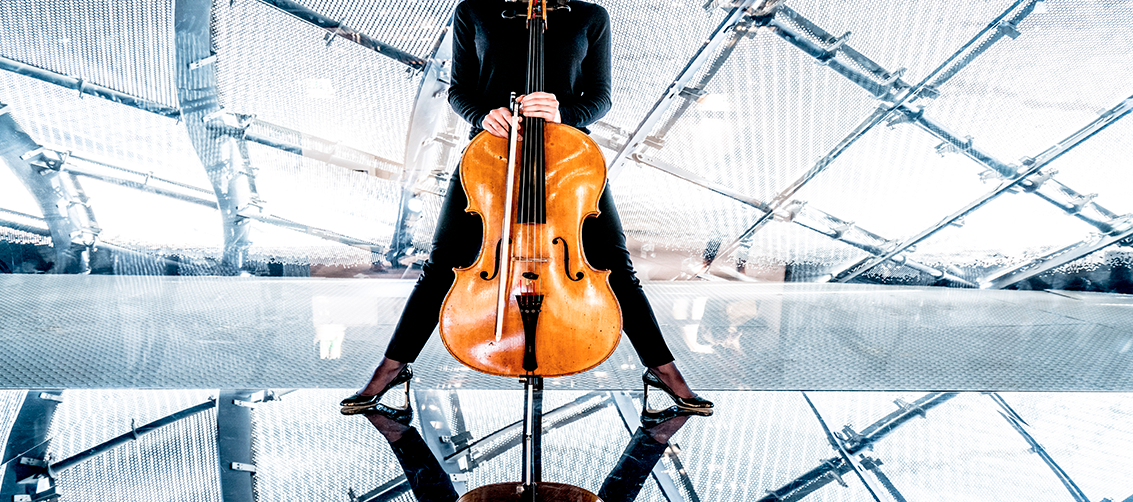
238	466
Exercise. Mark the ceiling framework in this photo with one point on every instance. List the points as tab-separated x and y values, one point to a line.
272	94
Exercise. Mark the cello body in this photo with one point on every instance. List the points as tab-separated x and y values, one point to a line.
579	325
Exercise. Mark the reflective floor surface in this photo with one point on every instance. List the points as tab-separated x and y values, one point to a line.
249	332
227	388
292	445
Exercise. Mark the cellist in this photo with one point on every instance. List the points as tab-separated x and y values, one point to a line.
489	52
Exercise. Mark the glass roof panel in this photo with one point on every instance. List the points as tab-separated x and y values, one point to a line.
774	114
1024	95
893	183
102	130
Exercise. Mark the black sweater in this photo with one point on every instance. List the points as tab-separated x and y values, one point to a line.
489	60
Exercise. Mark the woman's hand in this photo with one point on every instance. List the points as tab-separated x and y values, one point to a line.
543	105
540	104
497	122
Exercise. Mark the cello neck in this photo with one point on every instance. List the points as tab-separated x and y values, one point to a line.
532	192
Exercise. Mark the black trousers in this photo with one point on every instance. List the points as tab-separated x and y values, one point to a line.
456	243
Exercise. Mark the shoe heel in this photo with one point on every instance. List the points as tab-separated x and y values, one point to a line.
406	405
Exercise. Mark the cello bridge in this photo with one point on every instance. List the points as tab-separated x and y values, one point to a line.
531	260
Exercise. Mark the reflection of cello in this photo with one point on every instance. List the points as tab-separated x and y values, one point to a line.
530	304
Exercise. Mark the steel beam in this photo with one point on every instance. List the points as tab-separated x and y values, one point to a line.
225	158
336	28
1009	415
85	87
59	195
999	279
1028	178
234	444
634	144
249	128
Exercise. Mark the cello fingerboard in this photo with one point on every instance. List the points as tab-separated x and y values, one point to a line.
531	203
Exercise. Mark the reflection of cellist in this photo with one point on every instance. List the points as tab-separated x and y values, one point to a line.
488	51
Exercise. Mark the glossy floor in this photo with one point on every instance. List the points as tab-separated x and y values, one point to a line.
179	388
758	446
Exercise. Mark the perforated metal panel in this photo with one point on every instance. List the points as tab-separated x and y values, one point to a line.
304	449
280	69
412	26
176	462
126	46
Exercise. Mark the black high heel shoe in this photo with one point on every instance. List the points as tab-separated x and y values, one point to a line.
694	405
358	404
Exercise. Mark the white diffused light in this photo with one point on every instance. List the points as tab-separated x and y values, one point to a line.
714	103
415	205
1040	7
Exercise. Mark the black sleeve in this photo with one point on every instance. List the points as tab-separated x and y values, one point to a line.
465	69
596	82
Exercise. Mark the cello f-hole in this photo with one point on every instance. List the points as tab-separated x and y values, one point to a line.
566	260
496	270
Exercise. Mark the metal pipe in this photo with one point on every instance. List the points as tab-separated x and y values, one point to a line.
85	87
1076	493
59	467
303	144
337	28
1003	278
144	186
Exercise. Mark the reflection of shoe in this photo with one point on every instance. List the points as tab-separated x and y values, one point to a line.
653	418
695	405
403	416
358	403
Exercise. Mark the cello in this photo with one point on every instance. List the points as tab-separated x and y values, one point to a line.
530	305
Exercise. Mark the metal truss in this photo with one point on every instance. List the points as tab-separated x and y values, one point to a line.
852	443
839	446
1028	179
884	85
60	196
679	87
810	218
